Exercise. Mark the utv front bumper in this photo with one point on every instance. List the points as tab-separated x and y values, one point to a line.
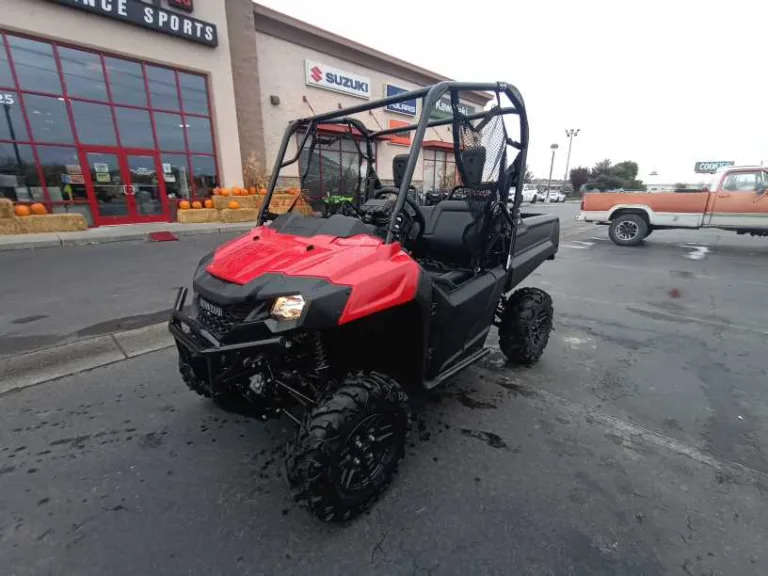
208	365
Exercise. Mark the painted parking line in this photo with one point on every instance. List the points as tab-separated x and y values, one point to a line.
578	245
696	252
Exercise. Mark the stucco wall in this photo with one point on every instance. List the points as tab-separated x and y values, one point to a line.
281	74
52	21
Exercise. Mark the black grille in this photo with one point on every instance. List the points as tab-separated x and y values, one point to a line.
231	316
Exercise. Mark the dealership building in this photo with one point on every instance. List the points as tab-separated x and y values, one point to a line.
115	109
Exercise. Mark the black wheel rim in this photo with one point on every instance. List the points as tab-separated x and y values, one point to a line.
627	230
366	453
539	328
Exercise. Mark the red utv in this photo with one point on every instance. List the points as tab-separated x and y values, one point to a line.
334	322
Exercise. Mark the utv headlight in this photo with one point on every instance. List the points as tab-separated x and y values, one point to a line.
288	307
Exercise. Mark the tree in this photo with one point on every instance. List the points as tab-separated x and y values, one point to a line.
579	176
626	170
607	176
528	175
602	167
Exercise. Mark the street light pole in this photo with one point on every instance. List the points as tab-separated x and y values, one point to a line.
551	166
570	133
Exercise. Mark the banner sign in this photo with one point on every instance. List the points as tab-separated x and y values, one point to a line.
329	78
150	16
442	109
401	138
711	167
407	108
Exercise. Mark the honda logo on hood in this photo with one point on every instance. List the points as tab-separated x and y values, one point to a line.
330	78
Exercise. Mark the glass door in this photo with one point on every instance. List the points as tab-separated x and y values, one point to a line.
146	190
110	188
126	187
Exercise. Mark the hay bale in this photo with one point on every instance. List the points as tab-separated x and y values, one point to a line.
222	202
282	203
11	226
6	208
303	206
239	215
38	223
197	216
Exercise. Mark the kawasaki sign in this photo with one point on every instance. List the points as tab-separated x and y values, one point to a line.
442	109
326	77
711	167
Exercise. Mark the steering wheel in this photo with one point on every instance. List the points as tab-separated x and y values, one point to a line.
415	213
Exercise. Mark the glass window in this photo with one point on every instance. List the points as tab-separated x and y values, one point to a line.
176	175
48	118
199	134
194	93
126	82
62	173
205	176
83	74
6	78
35	65
741	182
162	88
94	124
135	128
12	126
170	131
18	174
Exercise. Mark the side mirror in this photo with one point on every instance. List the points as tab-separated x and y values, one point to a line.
761	187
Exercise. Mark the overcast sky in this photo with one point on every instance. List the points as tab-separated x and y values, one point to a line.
665	84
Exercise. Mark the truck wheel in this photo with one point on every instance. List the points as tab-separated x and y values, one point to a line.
526	322
628	229
349	447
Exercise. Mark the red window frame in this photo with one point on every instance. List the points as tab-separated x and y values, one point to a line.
76	145
438	157
342	133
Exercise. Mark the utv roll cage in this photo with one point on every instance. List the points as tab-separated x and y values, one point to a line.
509	177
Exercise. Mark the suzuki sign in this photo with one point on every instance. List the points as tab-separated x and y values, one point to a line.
329	78
711	167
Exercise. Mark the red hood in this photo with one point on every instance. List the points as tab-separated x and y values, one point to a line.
380	275
264	251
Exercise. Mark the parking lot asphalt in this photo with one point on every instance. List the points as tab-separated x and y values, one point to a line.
635	446
53	296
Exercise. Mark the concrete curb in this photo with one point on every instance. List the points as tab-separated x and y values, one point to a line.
111	234
40	366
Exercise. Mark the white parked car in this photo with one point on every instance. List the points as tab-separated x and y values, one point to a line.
529	194
551	196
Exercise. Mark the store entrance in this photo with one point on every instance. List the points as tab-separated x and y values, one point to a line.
125	186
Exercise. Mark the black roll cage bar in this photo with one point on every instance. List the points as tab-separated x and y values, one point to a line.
429	95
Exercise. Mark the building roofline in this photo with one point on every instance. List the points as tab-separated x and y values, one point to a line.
274	23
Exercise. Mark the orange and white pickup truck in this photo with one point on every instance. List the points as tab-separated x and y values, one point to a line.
735	199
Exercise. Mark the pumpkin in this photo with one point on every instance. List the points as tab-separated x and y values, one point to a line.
225	191
216	191
209	203
234	205
196	205
262	191
21	210
183	205
38	209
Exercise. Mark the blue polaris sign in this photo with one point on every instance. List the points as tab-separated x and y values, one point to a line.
407	108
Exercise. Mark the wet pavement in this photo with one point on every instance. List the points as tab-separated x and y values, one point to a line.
636	446
54	296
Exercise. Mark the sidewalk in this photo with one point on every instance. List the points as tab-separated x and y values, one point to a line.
107	234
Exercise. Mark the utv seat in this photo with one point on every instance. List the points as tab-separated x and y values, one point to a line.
444	239
453	232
